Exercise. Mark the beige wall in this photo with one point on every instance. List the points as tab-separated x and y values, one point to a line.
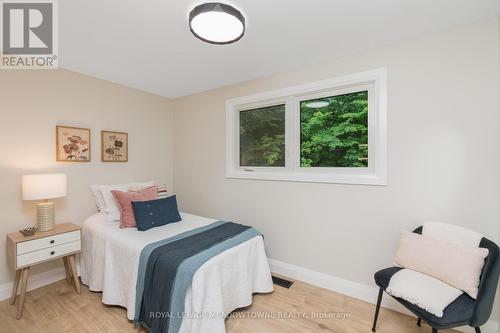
32	103
443	158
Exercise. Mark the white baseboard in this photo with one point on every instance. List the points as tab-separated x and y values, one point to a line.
34	281
353	289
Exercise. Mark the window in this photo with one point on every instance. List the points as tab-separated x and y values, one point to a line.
332	131
262	136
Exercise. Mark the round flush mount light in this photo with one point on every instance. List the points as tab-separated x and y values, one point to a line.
217	23
318	103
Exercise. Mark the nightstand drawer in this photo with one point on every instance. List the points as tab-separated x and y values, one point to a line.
34	257
46	242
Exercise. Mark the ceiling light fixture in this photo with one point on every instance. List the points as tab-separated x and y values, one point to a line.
317	103
217	23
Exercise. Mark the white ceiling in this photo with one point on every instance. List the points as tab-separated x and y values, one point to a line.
146	44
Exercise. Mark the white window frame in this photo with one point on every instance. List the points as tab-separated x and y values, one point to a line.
375	81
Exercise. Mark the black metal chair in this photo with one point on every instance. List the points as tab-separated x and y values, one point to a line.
464	310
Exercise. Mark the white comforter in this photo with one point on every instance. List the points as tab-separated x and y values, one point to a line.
110	260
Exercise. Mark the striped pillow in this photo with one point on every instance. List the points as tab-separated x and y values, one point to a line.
162	191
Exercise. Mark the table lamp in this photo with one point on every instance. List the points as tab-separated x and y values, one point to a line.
44	187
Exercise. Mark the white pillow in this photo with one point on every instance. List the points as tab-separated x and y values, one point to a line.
111	207
452	234
114	217
99	200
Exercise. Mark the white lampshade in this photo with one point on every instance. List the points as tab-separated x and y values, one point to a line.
44	186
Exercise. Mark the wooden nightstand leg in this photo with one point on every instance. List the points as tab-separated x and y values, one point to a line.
72	264
15	286
67	268
22	296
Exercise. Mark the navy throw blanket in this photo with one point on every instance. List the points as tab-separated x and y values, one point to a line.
162	267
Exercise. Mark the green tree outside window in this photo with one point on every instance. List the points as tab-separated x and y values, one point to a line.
335	135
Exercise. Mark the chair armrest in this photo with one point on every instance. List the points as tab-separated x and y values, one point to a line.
487	285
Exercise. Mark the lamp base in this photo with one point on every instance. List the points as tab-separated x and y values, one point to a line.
46	216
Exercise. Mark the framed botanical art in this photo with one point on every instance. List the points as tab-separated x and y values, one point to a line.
114	146
72	144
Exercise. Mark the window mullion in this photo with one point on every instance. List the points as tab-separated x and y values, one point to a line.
290	134
296	133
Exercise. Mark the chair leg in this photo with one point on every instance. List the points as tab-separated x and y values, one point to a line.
434	330
478	330
419	322
377	309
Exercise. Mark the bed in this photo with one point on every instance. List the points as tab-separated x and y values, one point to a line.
110	264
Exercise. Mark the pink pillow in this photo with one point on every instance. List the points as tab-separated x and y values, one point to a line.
124	199
459	266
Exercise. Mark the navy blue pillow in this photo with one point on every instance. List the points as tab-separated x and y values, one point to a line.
155	213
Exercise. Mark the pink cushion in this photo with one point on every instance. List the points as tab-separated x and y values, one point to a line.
459	266
124	199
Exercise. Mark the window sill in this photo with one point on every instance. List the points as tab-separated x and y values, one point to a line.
328	178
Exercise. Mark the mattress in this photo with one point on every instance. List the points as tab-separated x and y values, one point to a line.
110	260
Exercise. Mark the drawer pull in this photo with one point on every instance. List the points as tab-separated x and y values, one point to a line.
52	241
52	253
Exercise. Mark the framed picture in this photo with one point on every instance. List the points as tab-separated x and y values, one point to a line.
72	144
114	146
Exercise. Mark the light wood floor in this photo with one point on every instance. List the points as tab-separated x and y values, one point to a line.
57	308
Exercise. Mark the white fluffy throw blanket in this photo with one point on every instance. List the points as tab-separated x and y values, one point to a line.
426	292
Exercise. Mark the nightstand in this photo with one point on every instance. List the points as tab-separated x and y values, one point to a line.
23	252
